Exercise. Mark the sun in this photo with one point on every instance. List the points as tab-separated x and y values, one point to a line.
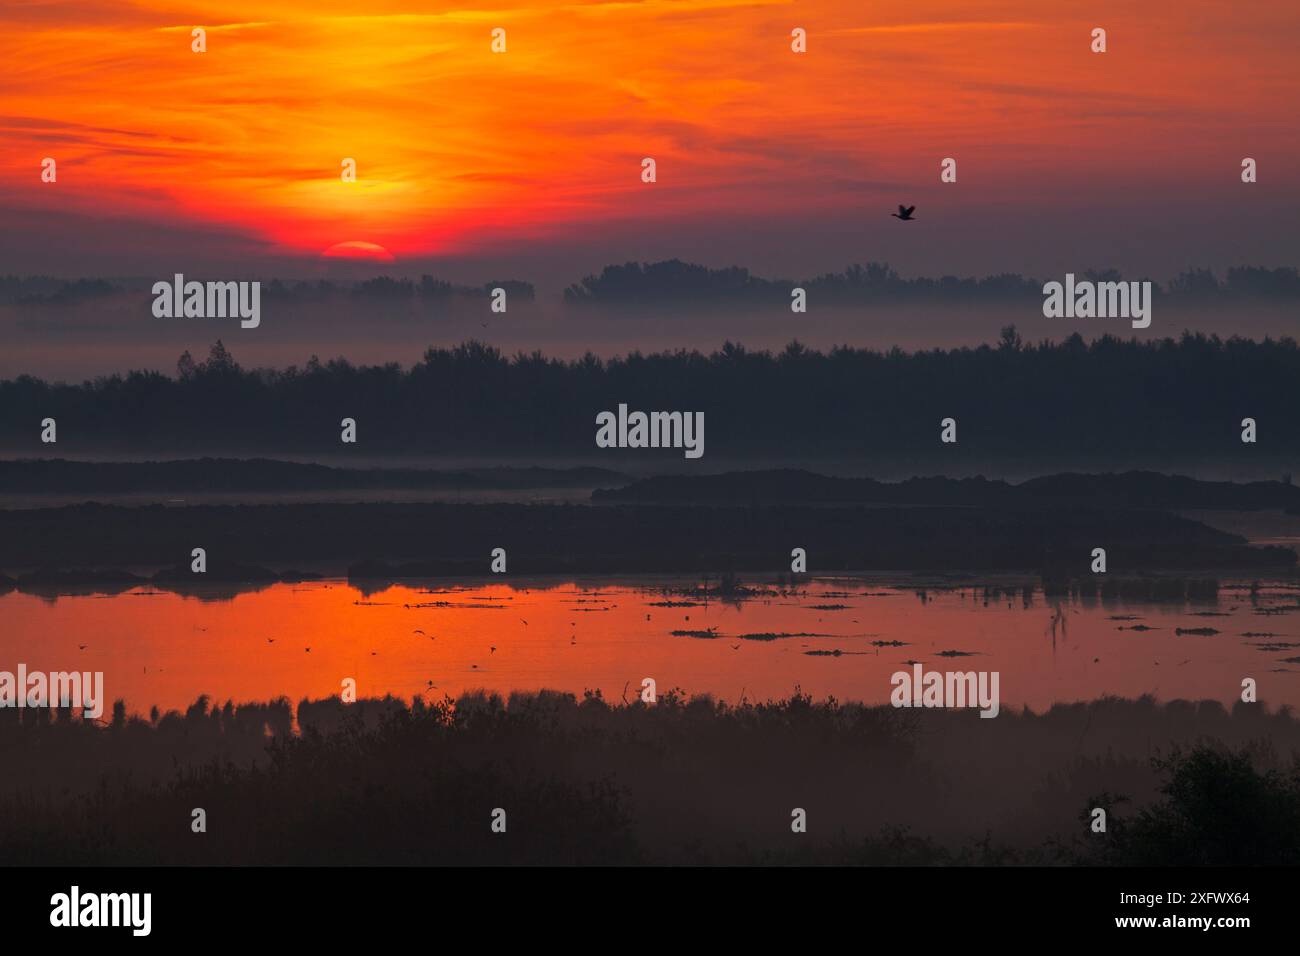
357	249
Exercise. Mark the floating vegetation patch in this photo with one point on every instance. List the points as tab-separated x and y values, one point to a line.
770	636
1279	609
456	604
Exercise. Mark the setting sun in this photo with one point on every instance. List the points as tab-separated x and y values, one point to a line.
356	249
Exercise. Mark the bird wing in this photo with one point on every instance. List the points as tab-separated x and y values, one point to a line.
908	210
902	209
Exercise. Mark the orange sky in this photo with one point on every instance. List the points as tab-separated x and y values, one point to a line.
460	150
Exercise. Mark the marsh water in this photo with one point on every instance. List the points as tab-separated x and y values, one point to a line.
840	636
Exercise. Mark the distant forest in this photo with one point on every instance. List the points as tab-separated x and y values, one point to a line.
674	281
46	290
1112	396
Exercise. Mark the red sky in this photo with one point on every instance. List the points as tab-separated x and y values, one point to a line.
530	159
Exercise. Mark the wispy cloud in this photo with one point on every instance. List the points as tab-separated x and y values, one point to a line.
937	27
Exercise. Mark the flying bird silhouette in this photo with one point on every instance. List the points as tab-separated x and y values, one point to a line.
904	213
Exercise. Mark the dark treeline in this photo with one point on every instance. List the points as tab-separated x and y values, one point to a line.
432	540
60	476
679	282
1131	490
1134	489
675	281
47	290
1184	397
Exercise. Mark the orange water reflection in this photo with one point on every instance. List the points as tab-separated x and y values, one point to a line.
164	649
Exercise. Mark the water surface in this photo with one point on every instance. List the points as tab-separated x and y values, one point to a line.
161	648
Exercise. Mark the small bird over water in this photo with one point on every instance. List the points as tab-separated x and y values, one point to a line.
904	213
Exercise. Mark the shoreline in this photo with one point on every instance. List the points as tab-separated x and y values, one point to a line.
80	543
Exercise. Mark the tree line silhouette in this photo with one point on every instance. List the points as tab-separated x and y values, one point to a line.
1111	396
47	290
652	283
677	281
